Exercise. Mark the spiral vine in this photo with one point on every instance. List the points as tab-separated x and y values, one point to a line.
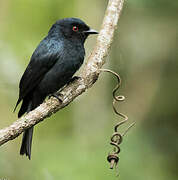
117	137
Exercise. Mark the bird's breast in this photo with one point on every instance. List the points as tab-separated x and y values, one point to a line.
63	70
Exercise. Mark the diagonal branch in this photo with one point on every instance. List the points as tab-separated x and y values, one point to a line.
88	77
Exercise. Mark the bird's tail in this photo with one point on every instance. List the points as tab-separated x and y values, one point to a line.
27	135
29	103
27	143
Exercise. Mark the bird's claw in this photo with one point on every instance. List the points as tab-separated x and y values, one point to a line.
56	96
73	79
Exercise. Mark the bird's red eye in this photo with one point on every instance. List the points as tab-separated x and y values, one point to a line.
75	28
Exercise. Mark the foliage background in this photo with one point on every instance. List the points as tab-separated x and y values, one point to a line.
74	143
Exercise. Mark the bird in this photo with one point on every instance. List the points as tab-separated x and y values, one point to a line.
52	65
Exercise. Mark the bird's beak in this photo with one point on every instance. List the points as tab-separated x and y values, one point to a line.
91	31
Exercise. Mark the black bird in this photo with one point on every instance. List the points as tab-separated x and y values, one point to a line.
52	65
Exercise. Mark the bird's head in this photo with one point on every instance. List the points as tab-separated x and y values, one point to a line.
72	28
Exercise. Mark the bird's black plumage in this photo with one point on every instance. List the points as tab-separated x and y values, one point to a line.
52	65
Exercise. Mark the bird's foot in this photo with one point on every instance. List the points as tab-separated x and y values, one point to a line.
56	95
73	79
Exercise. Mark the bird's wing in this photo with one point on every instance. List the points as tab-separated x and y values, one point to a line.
42	60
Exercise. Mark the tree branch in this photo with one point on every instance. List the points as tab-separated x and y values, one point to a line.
88	77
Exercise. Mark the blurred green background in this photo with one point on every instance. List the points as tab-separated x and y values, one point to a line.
74	143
